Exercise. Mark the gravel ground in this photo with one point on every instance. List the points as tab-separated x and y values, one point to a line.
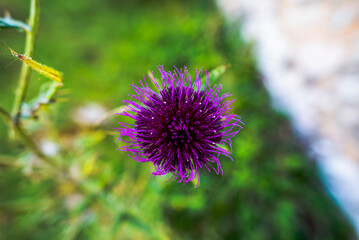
308	52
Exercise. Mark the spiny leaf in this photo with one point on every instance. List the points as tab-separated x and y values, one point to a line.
8	22
40	68
214	75
217	72
195	182
45	98
154	81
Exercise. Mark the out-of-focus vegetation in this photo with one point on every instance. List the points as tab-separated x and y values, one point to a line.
271	191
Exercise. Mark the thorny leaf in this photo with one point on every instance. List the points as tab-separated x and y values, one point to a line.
40	68
214	75
217	72
45	98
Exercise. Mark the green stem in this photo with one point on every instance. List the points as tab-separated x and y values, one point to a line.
27	139
29	50
15	120
5	114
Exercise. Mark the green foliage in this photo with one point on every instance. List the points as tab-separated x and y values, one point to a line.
271	191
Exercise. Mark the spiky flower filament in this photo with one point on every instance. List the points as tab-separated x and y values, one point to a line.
182	127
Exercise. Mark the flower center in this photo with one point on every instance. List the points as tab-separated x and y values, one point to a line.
179	130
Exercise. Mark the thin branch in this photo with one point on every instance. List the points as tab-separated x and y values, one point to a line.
5	114
15	119
32	146
29	50
27	139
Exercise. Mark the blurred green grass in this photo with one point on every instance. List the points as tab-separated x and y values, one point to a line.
271	191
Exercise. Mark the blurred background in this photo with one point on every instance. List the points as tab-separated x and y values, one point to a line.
273	190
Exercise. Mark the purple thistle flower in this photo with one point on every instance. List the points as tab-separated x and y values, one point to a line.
180	128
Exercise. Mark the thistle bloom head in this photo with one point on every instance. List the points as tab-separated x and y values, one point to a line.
181	127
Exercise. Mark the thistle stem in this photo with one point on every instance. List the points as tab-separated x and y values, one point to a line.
5	114
26	138
15	120
25	69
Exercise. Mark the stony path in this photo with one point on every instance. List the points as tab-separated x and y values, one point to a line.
308	52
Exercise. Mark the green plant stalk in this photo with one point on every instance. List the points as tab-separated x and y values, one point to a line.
15	120
25	69
32	146
27	140
5	114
